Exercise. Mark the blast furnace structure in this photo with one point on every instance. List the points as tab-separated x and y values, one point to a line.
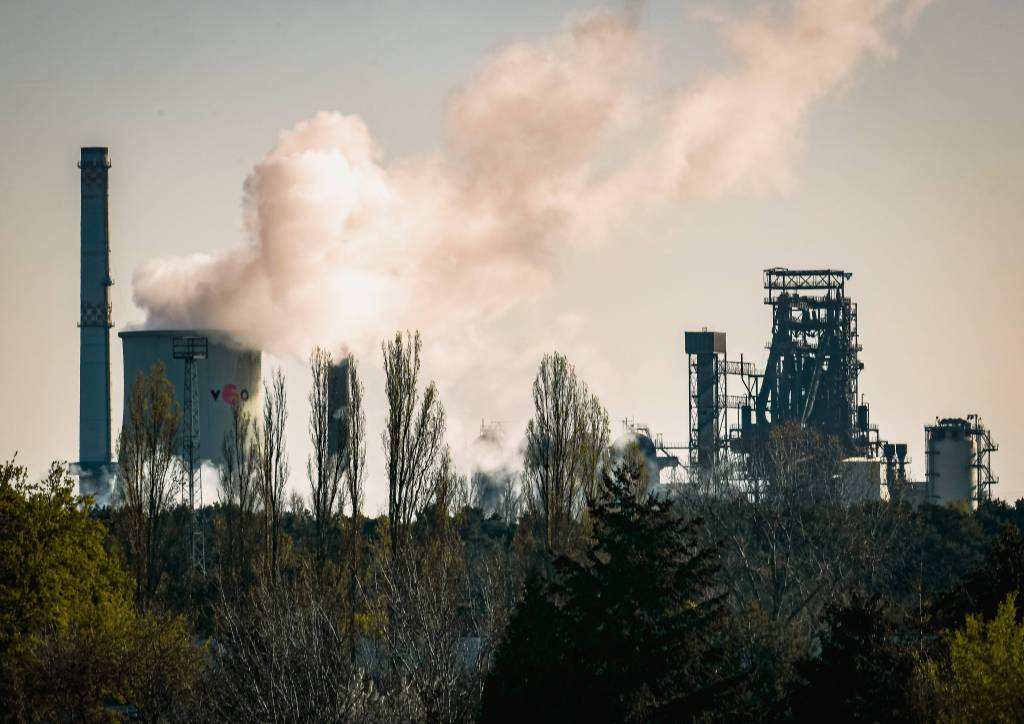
810	378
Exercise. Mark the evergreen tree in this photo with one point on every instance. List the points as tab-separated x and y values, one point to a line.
864	670
628	633
984	589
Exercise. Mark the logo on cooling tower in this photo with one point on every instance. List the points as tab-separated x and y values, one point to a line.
230	394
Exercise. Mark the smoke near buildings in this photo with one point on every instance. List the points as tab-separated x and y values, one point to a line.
550	145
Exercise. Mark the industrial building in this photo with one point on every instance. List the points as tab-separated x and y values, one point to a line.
958	459
94	465
209	372
224	376
338	396
811	378
657	456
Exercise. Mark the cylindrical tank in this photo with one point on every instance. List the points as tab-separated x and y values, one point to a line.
950	454
646	447
228	373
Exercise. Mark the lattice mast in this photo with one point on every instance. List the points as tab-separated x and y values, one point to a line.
191	349
984	446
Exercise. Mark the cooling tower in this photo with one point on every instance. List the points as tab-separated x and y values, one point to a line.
94	325
229	373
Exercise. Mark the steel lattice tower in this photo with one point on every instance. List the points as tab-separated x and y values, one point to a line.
191	349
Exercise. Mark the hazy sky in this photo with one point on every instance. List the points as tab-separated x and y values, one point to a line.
909	175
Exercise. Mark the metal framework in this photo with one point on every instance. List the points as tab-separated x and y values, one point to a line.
664	453
190	349
984	446
707	398
709	401
813	366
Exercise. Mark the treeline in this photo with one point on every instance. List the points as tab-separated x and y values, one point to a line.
767	592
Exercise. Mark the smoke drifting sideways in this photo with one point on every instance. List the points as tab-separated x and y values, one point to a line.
550	145
102	484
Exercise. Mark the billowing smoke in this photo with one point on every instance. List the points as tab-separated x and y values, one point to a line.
97	482
495	463
549	145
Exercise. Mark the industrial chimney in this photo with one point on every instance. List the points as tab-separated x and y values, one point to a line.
95	323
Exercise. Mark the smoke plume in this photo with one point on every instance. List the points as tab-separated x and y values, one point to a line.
549	145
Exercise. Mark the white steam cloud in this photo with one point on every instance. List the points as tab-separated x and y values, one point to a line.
549	144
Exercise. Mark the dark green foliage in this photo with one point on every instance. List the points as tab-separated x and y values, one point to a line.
1000	573
944	544
864	671
628	633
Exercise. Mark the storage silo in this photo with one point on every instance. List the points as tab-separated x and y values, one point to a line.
653	462
228	374
950	451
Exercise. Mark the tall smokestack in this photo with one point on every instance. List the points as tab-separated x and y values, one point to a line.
95	323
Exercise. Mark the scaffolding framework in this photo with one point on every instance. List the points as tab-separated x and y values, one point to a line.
982	461
707	398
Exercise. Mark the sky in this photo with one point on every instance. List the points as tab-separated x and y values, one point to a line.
907	172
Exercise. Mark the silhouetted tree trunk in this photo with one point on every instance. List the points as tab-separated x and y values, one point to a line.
239	496
354	474
326	464
272	466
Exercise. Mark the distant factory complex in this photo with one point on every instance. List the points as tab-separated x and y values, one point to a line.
210	373
810	378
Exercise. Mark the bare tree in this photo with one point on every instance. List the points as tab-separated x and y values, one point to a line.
356	441
413	436
450	491
425	592
147	451
280	658
566	443
794	535
239	497
326	464
272	466
297	504
355	418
